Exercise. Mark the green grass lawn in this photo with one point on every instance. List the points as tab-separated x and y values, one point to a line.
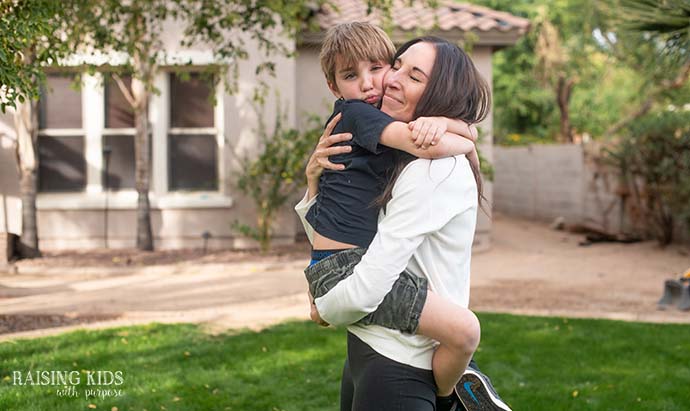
536	364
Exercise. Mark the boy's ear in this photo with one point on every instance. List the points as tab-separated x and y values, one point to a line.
334	89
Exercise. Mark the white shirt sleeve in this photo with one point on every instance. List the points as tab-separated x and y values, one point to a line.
420	205
301	209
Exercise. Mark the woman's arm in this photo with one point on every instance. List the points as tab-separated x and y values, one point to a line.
315	166
301	209
411	215
319	158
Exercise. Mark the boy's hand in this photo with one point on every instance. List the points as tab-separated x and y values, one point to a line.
426	131
474	133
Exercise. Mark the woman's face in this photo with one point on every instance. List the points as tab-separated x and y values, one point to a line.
407	80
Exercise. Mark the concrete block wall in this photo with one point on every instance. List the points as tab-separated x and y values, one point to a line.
544	182
540	182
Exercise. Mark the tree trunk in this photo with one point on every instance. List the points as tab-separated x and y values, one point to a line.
26	125
563	91
142	165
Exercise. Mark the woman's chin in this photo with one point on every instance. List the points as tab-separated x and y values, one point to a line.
391	110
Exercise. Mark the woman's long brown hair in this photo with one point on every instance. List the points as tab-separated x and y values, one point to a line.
455	90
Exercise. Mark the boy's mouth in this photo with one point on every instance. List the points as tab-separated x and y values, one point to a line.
372	99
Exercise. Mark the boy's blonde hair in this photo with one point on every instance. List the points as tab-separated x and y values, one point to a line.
350	43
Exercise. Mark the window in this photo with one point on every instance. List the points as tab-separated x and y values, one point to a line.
62	165
192	144
118	111
119	163
193	162
190	101
118	137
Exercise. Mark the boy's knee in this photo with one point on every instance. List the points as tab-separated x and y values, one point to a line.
467	334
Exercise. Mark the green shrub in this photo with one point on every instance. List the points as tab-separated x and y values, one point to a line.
654	162
272	177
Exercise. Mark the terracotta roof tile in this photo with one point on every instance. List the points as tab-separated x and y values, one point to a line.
449	16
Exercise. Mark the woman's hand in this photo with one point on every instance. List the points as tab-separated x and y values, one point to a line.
319	158
426	131
314	312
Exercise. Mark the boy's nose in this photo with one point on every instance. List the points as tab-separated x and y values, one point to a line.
367	82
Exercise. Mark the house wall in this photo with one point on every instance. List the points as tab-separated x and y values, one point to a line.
10	204
312	95
77	220
482	57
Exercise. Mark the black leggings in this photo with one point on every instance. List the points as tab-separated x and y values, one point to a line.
372	382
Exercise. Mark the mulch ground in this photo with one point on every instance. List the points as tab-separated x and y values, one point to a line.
25	322
132	258
136	258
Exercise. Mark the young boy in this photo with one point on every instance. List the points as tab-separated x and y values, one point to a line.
355	57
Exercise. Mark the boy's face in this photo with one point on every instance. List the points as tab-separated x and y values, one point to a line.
363	82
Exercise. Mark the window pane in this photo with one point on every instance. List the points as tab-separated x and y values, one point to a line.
121	162
193	164
190	102
62	164
118	112
60	105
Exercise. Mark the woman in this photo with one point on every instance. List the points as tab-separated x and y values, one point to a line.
429	221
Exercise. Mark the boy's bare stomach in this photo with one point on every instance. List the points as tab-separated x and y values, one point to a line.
325	243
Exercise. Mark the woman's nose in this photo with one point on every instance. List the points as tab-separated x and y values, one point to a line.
392	79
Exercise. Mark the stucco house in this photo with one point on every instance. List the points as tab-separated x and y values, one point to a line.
196	144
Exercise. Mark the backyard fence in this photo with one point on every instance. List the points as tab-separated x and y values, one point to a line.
563	181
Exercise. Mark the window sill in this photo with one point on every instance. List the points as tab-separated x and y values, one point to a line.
127	200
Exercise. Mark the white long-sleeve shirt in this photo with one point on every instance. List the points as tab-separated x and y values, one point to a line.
428	229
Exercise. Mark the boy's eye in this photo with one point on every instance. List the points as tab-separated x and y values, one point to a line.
349	76
376	68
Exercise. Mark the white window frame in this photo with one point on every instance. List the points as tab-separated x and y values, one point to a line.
93	120
128	131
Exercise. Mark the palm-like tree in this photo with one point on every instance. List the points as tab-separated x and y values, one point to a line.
665	20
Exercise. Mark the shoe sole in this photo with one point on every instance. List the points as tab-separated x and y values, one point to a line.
478	398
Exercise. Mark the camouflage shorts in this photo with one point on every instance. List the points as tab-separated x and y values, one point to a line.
400	309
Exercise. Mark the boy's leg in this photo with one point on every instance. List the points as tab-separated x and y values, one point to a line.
325	274
400	308
457	330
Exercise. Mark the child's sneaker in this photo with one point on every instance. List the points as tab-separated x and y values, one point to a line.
477	393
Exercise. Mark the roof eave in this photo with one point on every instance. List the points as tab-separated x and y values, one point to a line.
490	38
